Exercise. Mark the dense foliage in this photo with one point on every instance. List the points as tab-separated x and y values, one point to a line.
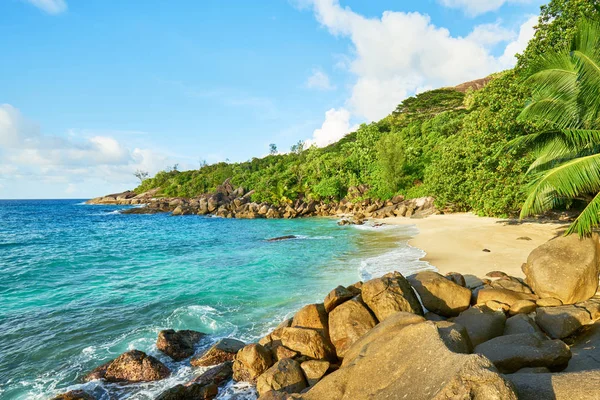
444	143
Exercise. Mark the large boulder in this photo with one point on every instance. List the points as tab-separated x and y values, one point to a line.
314	370
520	323
525	350
505	296
347	323
250	362
178	345
565	386
285	376
223	350
511	283
390	294
560	322
132	366
309	343
218	375
455	336
75	395
190	392
413	363
336	297
586	350
482	324
439	294
565	268
312	316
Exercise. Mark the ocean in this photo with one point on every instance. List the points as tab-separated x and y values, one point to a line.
81	284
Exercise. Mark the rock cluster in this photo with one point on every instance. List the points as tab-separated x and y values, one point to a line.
230	202
426	336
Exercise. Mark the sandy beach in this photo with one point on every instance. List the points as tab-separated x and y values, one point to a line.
456	242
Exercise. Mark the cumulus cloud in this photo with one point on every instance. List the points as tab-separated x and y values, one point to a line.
478	7
26	154
400	53
526	33
319	80
335	127
50	6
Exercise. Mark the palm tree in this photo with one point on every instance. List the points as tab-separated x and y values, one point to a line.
566	105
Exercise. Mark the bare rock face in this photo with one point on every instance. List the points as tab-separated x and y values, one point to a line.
314	370
565	268
312	316
132	366
390	294
525	350
482	323
457	278
178	345
191	392
395	365
336	297
217	375
455	336
560	322
285	376
520	323
505	296
75	395
439	294
223	350
394	324
522	307
566	386
250	362
309	343
511	283
347	323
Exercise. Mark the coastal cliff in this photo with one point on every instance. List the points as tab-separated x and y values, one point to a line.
424	336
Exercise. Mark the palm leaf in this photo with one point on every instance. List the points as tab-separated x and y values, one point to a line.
587	220
570	179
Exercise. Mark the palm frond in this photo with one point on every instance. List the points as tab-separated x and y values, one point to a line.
586	53
570	179
587	220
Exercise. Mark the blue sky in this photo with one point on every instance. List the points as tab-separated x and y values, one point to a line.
91	90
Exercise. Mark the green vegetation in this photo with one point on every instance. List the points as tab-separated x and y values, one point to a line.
566	103
443	143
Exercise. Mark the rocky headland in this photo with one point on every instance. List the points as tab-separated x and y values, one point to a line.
230	202
424	336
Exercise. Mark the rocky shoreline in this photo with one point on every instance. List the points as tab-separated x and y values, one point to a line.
230	202
424	336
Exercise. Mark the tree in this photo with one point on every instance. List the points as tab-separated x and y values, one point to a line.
141	175
298	147
273	149
566	86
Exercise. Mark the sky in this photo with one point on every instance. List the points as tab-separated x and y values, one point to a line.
93	90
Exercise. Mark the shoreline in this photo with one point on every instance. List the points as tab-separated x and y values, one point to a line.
456	242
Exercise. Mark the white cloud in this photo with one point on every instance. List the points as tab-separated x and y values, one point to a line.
50	6
27	155
319	80
335	127
478	7
526	33
400	53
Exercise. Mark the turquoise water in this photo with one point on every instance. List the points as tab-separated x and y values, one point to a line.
81	284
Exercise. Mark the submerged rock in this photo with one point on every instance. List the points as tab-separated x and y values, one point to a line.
178	345
132	366
75	395
281	238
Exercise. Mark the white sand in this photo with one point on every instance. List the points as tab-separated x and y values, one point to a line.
455	242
